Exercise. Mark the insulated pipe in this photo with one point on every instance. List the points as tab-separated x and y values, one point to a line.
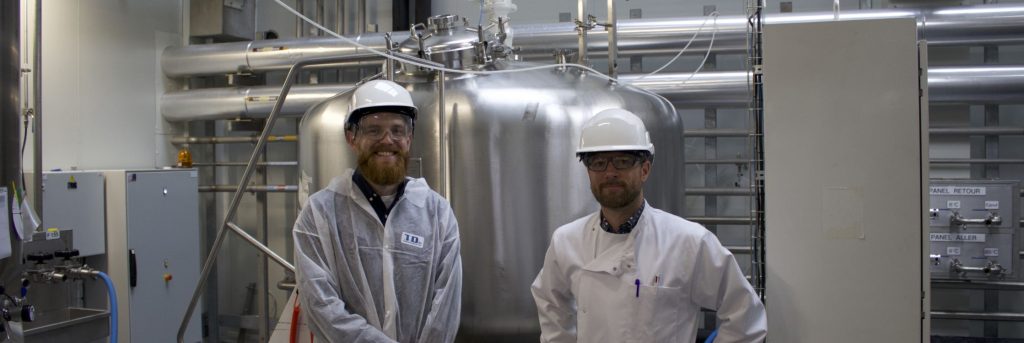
977	161
699	191
232	139
223	103
978	84
1001	85
935	131
965	131
243	164
739	249
266	55
996	316
251	188
689	133
721	220
718	89
961	25
977	284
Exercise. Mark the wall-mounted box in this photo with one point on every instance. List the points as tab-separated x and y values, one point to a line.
73	200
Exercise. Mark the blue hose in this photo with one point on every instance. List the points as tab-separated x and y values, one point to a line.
113	305
711	337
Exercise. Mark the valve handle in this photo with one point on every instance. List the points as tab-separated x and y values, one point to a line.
39	257
66	254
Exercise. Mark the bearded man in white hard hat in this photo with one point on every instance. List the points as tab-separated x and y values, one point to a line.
631	272
377	252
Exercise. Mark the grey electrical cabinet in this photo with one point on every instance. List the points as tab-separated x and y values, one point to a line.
74	201
972	229
153	252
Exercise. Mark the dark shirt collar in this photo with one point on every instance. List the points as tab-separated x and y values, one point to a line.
378	205
626	227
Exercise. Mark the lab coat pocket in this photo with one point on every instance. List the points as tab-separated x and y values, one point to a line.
659	313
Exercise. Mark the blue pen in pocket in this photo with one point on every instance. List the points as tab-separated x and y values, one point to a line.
637	288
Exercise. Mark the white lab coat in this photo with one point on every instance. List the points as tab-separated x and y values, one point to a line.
361	281
591	296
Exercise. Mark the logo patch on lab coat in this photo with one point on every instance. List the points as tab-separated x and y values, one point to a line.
413	240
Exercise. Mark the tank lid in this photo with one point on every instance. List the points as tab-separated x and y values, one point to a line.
445	40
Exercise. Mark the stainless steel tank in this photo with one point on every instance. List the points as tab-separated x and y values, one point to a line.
509	161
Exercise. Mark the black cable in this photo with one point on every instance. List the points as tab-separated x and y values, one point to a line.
24	141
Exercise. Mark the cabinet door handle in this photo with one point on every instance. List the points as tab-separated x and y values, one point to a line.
133	274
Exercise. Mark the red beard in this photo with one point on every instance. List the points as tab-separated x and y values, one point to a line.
383	173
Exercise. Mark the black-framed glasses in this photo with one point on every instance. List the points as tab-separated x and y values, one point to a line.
375	132
600	164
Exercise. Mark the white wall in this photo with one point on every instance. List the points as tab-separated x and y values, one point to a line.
101	83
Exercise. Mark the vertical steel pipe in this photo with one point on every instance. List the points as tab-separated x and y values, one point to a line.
37	122
339	17
613	45
446	176
581	27
321	16
360	17
300	25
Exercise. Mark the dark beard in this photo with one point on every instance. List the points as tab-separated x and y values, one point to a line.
615	200
383	175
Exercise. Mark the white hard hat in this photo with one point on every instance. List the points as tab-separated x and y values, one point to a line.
380	96
614	129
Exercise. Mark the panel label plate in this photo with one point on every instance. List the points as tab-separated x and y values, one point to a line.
957	237
956	190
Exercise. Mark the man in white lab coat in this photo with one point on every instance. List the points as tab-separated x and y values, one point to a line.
377	253
631	272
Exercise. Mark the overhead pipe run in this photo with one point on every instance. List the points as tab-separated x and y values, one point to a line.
251	102
251	188
243	164
996	316
232	139
961	25
979	85
976	84
935	131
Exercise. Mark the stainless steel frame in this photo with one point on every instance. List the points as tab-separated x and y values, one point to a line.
966	85
236	198
943	26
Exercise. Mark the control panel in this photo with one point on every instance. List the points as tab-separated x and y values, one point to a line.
973	229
